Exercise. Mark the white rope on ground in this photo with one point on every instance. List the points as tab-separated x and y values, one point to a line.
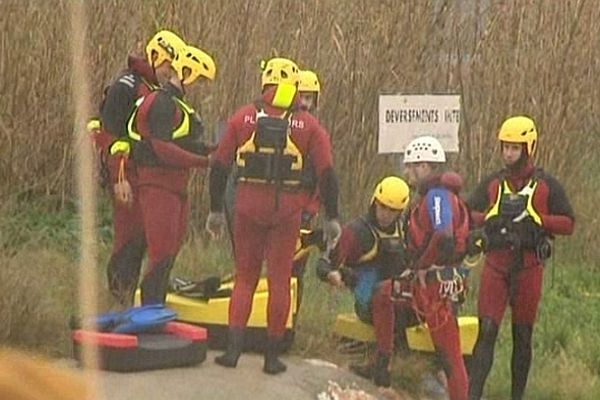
82	147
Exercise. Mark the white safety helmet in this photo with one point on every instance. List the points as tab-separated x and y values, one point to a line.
424	149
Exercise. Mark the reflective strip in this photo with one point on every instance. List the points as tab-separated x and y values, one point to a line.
131	132
528	191
184	128
128	80
247	147
495	208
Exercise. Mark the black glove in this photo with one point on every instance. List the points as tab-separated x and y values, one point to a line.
313	238
543	251
348	277
498	234
324	267
494	226
402	285
530	233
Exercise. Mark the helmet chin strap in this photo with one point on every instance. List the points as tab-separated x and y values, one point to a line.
154	69
178	83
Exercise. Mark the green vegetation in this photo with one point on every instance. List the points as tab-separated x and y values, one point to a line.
40	274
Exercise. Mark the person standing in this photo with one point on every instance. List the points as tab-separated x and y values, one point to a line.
438	228
140	78
309	90
167	143
271	142
520	208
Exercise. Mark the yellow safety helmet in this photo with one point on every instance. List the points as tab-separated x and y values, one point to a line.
519	129
191	63
163	46
392	192
309	82
279	70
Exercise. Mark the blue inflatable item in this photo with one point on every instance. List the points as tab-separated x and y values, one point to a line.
106	322
136	319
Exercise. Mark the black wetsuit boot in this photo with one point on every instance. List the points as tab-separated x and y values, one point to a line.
273	365
483	357
521	359
235	345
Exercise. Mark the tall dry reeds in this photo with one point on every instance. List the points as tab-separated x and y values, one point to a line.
538	57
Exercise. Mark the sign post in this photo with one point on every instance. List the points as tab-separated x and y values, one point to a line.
403	118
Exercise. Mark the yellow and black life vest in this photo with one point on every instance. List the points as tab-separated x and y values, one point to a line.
270	156
180	131
510	205
386	251
388	243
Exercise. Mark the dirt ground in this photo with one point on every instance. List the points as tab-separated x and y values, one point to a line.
304	379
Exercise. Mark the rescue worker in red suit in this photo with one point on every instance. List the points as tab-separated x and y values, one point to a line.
270	141
166	135
372	249
520	208
309	90
141	78
438	228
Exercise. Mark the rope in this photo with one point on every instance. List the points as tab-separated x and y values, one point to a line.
438	318
436	314
121	175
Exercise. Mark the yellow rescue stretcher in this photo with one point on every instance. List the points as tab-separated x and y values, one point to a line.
349	326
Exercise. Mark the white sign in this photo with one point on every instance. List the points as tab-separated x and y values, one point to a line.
405	117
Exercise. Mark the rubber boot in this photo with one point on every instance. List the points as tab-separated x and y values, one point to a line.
155	283
235	345
483	357
273	365
403	319
123	271
521	359
381	371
